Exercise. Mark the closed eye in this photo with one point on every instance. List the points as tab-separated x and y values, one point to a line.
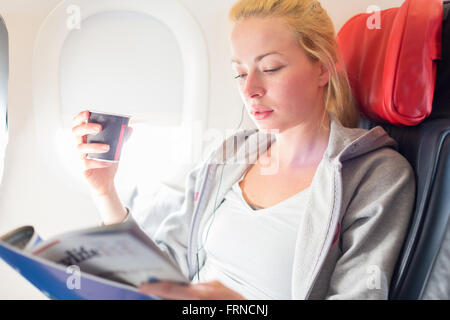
243	75
273	70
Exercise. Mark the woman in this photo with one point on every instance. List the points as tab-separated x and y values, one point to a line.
327	221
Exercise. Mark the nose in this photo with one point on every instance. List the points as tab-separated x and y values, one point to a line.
253	86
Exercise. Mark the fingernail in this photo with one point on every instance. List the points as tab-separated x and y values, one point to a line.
106	148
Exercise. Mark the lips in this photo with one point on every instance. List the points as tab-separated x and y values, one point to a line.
254	110
260	112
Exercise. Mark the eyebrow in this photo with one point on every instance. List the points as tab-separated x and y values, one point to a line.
258	58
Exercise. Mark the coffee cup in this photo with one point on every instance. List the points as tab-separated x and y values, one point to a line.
114	128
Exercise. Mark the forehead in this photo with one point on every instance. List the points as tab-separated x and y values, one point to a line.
255	36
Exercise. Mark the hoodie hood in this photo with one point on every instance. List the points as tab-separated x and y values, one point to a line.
349	143
344	143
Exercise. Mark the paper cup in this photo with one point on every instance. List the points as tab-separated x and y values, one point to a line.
114	128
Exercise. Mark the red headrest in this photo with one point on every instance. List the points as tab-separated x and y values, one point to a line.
392	69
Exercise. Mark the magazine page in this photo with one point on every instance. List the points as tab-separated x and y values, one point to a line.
121	252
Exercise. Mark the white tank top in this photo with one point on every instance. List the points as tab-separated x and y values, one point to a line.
251	251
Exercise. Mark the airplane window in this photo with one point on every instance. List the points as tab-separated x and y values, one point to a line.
129	63
4	71
123	62
154	154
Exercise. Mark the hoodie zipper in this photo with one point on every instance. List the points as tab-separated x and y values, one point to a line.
192	236
195	225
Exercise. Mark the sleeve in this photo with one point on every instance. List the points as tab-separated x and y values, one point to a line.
168	217
158	206
373	230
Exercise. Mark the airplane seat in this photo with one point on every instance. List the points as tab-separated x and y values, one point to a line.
400	75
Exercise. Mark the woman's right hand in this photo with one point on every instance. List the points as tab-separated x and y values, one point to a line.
99	174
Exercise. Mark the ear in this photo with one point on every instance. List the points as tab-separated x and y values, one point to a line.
323	75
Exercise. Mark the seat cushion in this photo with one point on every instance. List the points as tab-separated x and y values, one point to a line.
392	70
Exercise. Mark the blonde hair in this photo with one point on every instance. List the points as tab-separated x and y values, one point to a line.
316	35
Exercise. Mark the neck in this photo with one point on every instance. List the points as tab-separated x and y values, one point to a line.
303	145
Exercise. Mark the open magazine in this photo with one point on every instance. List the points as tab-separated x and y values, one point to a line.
106	262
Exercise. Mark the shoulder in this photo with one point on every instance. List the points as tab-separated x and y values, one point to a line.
381	165
366	153
372	169
377	184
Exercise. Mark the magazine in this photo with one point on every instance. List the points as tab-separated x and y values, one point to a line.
110	261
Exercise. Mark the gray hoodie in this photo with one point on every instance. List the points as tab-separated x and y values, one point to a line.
361	199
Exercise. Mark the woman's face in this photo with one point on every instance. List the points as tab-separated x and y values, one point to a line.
275	75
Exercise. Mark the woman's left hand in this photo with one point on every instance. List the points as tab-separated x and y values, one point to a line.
213	290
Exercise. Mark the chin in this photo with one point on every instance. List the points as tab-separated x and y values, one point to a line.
268	127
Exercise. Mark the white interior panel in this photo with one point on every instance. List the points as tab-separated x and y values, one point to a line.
123	62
